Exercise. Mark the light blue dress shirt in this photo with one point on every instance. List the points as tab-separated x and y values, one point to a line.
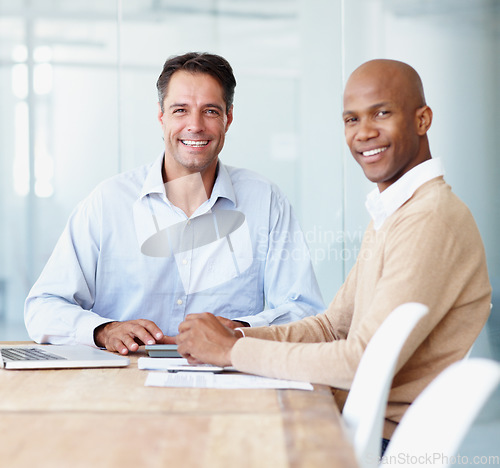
128	253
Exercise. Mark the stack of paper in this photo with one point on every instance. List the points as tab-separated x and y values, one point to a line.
176	364
212	380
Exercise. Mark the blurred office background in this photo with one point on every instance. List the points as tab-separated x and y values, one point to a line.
78	104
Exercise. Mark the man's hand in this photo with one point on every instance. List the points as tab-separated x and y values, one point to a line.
203	338
128	336
233	324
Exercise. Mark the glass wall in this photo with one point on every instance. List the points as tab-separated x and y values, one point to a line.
78	104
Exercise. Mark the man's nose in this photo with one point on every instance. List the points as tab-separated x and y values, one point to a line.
195	123
366	130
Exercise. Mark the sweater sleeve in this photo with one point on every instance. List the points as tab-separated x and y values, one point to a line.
422	259
331	325
293	351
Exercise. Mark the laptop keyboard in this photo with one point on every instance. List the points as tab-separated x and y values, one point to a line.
28	354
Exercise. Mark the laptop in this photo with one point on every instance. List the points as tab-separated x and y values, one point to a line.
31	356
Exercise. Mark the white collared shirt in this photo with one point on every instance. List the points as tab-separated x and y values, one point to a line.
381	205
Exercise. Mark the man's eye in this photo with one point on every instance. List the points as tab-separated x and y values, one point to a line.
350	120
382	113
179	111
212	111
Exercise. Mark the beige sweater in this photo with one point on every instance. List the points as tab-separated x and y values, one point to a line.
428	251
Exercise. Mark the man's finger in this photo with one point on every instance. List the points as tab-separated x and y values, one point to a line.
138	333
167	340
130	343
152	328
118	346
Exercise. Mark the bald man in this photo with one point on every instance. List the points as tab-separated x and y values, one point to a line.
422	245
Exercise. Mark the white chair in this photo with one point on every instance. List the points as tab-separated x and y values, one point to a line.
435	424
364	410
467	356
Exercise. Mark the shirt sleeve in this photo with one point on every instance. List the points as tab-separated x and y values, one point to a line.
58	307
290	286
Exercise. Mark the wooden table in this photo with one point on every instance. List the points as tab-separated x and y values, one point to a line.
108	418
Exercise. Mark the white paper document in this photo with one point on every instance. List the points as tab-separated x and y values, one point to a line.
175	364
212	380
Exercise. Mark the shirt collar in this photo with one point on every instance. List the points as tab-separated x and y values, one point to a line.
382	205
223	186
154	178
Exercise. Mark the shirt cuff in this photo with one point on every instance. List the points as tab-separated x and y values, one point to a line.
253	321
86	327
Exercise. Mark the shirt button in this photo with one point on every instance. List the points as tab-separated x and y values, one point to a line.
184	262
179	301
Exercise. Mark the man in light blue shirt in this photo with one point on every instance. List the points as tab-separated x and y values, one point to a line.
185	234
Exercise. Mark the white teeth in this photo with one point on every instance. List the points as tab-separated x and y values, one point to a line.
374	151
195	143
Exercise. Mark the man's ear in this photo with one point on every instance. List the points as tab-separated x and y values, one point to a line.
424	119
160	114
229	117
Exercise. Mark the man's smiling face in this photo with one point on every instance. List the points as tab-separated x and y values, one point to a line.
381	119
194	123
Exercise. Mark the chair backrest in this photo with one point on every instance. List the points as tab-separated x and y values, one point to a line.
467	356
364	410
435	424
